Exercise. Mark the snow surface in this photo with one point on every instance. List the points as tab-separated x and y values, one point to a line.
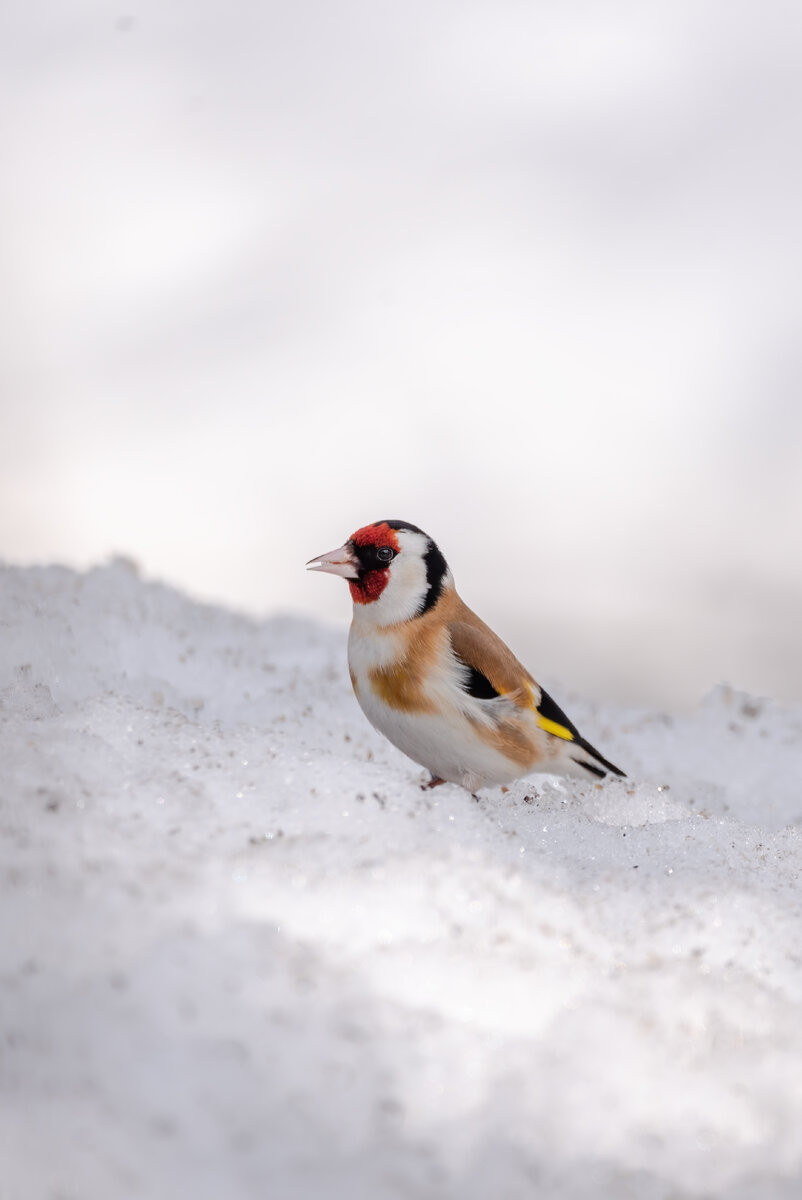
243	955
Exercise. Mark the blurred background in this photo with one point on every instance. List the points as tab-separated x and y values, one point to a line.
525	274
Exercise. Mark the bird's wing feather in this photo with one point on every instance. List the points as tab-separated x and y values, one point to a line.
494	672
489	659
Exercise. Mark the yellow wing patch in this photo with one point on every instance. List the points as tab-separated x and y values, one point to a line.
552	727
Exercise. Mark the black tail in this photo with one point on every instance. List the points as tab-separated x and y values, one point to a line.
549	709
586	746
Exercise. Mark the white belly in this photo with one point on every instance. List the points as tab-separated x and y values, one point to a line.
450	748
445	743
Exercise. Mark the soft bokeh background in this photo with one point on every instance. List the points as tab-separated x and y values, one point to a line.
525	274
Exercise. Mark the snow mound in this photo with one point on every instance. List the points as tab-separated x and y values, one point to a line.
245	956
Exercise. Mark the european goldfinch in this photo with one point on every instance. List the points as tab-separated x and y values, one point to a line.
435	680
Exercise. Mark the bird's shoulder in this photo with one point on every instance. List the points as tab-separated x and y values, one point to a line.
495	672
485	654
451	629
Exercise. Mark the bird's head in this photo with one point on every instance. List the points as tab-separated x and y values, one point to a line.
394	570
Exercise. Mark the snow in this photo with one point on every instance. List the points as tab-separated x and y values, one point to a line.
244	955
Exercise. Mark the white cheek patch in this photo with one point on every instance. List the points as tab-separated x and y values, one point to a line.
406	587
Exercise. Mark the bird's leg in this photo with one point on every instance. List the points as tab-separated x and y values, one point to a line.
432	782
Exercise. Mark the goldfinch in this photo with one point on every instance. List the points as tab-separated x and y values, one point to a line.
435	680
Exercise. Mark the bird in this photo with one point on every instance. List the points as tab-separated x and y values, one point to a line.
432	677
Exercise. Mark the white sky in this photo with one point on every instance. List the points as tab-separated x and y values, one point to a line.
525	275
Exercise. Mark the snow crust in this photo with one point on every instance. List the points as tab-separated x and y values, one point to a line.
244	955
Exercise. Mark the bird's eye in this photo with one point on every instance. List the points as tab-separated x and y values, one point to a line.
385	554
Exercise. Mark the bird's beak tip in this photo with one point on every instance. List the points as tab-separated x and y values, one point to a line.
337	562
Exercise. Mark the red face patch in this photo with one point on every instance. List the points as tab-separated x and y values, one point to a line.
373	580
369	587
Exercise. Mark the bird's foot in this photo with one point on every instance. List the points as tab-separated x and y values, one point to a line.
432	782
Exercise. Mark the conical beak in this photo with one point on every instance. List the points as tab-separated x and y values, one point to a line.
337	562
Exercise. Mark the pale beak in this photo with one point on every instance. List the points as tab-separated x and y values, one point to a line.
337	562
